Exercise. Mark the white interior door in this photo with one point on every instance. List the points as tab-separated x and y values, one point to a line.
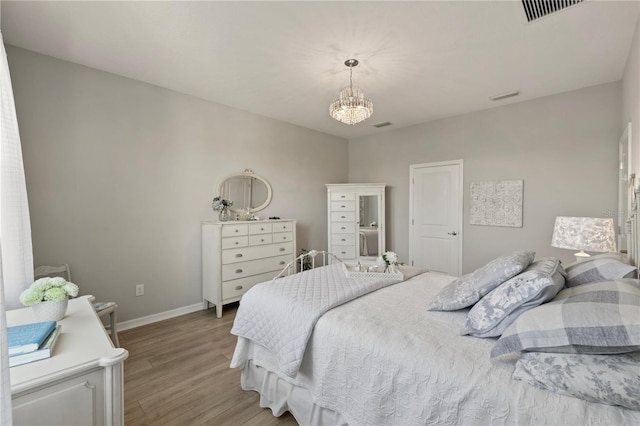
436	217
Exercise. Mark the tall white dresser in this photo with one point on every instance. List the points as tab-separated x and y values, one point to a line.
238	255
356	220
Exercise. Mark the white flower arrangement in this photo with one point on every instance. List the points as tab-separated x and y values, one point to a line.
388	258
48	288
219	204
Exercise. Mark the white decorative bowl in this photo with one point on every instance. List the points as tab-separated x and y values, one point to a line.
51	310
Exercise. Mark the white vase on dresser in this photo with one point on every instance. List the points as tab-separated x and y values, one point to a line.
236	255
356	221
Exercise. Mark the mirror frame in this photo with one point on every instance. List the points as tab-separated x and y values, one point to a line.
248	173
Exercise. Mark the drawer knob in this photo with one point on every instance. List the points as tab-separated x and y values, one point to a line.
262	240
284	238
343	217
238	271
282	248
342	196
343	207
340	228
237	243
282	262
237	230
238	287
238	254
343	252
343	239
262	229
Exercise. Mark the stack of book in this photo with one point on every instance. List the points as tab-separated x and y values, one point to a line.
31	342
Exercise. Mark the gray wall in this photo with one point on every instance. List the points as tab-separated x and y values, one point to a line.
121	173
563	146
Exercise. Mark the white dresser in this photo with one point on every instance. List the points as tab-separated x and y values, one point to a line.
238	255
356	220
82	382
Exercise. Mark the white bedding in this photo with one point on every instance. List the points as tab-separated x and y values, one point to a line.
384	359
280	314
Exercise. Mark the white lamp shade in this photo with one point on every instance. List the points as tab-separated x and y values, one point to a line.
584	233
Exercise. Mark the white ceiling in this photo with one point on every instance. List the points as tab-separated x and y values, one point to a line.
419	61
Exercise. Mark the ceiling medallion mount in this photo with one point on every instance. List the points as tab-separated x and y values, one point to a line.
352	107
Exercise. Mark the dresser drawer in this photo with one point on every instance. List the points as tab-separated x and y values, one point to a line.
235	230
282	226
260	228
280	237
343	228
344	252
343	216
256	240
343	239
255	252
236	288
233	242
343	206
343	196
254	267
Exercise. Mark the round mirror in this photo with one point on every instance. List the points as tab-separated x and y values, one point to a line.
249	192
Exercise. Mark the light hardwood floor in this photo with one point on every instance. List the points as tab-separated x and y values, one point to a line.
178	374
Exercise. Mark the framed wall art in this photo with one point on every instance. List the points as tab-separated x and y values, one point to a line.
497	203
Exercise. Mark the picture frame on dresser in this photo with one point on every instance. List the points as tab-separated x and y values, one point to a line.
237	255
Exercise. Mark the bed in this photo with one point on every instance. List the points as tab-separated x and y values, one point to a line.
381	358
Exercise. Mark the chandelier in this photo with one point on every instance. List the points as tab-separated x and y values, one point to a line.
352	107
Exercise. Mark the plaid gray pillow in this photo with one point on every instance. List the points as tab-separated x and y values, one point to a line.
595	318
598	268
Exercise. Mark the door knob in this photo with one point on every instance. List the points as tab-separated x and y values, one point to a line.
454	233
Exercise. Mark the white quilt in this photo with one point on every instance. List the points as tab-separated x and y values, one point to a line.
280	314
383	359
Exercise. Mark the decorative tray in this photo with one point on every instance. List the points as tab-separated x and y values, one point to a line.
352	272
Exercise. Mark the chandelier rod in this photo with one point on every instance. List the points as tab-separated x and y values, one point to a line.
351	79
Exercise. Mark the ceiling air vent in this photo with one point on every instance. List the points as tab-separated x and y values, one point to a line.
536	9
386	123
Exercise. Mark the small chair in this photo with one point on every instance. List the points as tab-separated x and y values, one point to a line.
102	308
108	308
53	271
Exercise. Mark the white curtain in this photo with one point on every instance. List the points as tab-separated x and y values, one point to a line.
16	256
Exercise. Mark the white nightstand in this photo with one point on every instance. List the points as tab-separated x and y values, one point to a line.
82	383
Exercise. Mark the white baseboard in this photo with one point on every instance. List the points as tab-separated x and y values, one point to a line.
149	319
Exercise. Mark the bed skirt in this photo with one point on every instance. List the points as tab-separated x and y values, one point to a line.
279	395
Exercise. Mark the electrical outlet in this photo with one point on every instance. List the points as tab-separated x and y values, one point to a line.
140	290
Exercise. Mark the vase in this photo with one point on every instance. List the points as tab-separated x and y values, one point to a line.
51	310
224	215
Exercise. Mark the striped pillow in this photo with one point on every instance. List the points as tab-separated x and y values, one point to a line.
596	318
598	268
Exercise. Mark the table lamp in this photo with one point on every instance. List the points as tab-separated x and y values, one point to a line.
584	233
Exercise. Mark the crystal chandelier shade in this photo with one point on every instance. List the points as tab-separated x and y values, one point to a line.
352	107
